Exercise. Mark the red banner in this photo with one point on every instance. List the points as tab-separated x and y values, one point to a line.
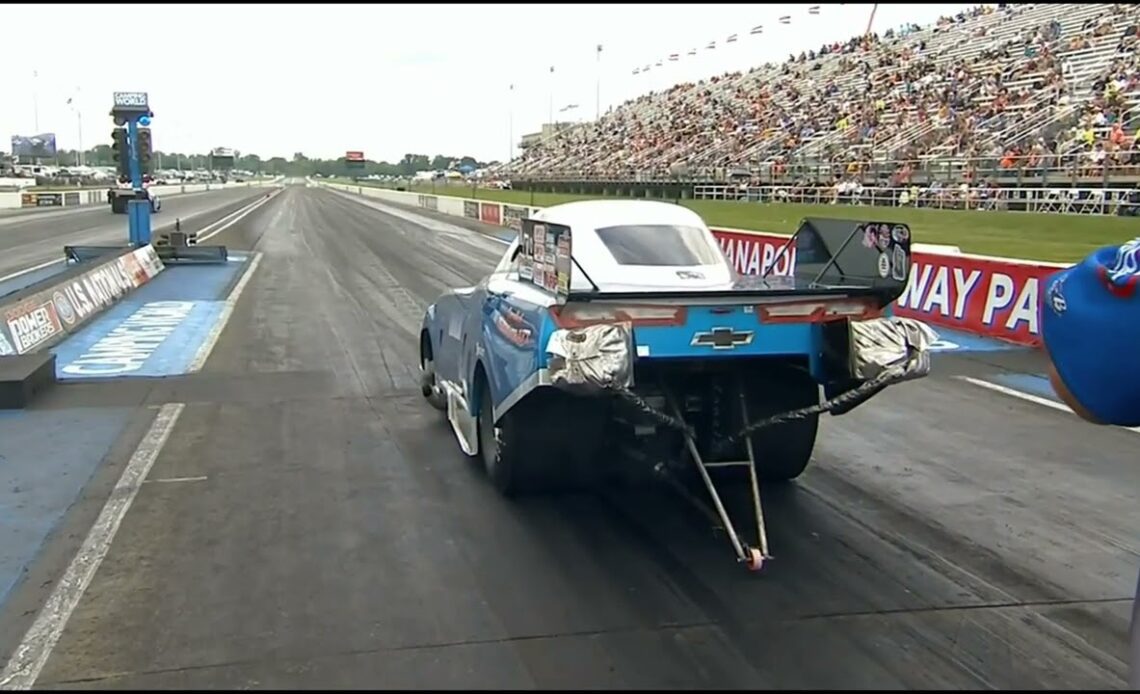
982	296
990	297
491	212
352	155
751	254
977	295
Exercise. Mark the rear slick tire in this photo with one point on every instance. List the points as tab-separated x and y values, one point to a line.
500	449
782	452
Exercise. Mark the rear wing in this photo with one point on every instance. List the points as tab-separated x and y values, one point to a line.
833	258
833	253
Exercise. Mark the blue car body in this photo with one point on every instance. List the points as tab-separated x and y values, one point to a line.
494	334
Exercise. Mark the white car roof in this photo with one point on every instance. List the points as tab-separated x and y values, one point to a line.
595	258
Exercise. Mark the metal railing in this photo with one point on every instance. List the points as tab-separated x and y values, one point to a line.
1088	201
1069	169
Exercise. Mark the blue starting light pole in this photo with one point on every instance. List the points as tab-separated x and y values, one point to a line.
130	108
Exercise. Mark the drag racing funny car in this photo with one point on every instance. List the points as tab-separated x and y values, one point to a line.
616	336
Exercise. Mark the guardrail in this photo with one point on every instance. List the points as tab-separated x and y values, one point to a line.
1077	168
981	295
1096	201
44	314
31	199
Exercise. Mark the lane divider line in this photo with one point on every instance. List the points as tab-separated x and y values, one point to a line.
233	218
33	268
36	647
1028	397
164	228
224	317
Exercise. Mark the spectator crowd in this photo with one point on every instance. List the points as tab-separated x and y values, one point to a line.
1011	86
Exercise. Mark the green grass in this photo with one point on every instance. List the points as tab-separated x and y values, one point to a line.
1046	237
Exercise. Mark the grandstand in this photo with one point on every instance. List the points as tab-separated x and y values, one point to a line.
1039	87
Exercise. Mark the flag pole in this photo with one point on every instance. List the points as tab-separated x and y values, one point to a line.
598	83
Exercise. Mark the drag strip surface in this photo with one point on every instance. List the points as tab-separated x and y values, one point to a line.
29	240
311	522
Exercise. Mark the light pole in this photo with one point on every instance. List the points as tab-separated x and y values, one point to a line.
79	126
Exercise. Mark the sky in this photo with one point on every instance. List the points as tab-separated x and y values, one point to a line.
386	79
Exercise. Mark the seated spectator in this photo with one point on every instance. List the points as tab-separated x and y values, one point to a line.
908	93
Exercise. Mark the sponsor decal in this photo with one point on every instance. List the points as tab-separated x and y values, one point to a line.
514	327
722	338
128	346
130	267
70	199
49	200
6	349
1057	297
471	209
32	324
491	213
429	202
899	264
513	216
64	308
148	258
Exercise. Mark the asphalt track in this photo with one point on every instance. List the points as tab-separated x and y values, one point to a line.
27	240
310	522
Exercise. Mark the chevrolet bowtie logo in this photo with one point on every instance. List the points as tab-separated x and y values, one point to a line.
722	338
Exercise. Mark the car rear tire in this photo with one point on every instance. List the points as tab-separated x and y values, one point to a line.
783	451
429	385
500	449
548	443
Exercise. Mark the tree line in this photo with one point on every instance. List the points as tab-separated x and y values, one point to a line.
299	165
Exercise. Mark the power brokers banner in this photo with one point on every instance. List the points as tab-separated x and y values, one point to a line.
45	317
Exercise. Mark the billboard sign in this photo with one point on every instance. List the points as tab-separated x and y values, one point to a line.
40	146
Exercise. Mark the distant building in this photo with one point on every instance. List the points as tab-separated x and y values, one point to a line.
548	130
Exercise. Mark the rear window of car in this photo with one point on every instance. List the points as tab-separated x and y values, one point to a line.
658	244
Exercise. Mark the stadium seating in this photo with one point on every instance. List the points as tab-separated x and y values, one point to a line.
1015	85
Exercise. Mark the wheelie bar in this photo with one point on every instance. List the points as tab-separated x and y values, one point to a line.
752	557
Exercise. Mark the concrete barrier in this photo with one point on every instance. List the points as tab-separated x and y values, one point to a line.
40	316
981	295
44	198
